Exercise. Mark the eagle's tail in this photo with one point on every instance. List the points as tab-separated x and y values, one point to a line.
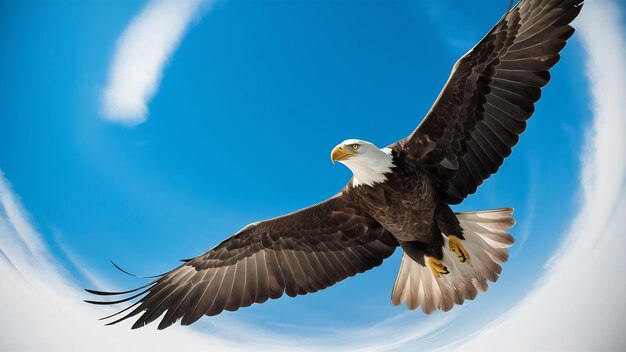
486	241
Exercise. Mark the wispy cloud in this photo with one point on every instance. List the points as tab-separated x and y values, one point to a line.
140	55
577	305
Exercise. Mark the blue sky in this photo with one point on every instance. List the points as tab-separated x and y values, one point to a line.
240	129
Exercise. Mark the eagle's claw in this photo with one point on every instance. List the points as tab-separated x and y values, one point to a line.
457	248
437	267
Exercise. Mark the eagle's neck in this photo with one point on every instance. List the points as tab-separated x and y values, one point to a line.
370	168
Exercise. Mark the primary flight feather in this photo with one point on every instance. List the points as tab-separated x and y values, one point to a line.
398	196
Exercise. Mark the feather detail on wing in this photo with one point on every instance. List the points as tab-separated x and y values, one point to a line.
296	254
482	110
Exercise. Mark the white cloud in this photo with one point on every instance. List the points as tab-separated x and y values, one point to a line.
140	55
578	304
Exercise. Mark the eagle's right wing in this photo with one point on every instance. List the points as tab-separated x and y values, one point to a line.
298	253
482	110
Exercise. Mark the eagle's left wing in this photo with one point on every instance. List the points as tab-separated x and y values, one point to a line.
296	254
482	110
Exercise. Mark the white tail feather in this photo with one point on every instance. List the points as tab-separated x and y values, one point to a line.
486	241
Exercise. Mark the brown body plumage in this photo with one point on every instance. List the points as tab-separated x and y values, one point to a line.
407	205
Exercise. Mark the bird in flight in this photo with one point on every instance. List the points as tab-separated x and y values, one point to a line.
398	196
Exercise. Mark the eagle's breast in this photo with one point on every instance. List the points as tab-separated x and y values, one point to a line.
404	204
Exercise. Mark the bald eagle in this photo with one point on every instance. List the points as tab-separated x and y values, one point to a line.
398	196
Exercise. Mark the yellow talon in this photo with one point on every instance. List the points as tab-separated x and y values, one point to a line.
437	267
456	247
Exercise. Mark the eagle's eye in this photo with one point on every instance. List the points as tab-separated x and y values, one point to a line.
355	146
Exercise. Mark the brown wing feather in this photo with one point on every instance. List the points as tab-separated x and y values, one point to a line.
483	108
299	253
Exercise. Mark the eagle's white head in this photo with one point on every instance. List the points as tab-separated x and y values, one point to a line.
368	163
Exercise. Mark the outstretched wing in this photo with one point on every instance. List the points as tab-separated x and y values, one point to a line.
302	252
482	110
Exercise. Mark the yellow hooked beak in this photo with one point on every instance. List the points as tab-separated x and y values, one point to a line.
341	153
